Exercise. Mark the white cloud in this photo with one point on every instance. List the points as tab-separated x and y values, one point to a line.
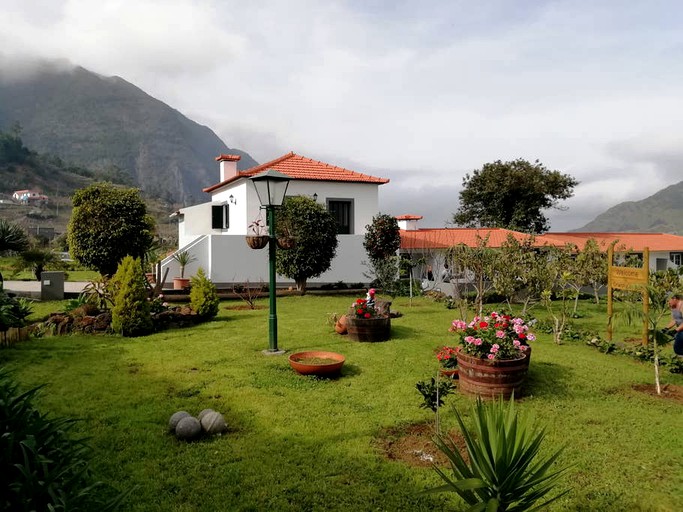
588	88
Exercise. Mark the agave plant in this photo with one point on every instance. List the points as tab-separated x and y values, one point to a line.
504	472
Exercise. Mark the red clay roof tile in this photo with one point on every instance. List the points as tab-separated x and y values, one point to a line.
301	168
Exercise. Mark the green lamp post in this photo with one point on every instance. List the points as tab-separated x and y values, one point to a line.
271	187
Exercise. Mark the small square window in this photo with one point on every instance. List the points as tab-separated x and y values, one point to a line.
220	216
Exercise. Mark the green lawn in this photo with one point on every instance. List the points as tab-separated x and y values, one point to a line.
302	443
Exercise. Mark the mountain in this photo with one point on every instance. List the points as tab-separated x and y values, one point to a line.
659	213
106	123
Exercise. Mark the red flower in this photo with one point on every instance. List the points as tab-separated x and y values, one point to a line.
359	311
522	336
483	325
367	315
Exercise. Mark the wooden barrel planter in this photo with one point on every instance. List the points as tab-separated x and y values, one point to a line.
491	379
368	329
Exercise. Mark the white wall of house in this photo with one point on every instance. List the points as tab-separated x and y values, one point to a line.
228	259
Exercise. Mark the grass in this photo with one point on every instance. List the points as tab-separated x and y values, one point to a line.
303	443
72	271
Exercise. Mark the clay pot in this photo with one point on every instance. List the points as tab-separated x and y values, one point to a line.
317	363
340	326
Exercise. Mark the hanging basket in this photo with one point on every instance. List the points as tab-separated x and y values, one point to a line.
257	241
286	242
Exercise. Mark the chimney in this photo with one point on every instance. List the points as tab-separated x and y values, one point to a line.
228	166
408	222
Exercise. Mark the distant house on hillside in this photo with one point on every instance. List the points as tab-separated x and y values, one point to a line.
213	232
30	197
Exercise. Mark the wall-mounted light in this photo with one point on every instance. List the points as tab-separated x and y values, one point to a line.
232	199
315	197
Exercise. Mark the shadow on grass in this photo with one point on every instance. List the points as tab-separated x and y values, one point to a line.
402	332
546	379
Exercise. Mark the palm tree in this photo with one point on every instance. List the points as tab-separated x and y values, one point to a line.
12	239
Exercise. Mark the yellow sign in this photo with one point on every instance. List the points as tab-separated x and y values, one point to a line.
627	278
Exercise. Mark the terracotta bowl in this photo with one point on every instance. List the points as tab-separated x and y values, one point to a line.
317	362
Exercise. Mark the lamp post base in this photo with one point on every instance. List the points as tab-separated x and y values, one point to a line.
269	352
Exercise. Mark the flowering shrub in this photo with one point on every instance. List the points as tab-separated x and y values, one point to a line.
363	310
495	336
448	357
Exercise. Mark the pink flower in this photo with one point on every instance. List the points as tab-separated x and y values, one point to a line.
477	341
491	356
516	343
495	348
530	337
500	334
469	339
523	348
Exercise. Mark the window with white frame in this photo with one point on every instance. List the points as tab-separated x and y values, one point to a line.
676	258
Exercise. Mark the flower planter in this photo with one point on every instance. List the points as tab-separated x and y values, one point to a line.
257	241
180	283
368	329
317	363
449	373
492	379
286	242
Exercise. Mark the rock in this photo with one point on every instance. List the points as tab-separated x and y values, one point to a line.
204	413
173	422
213	423
188	428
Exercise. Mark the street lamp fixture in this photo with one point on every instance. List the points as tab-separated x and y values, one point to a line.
271	187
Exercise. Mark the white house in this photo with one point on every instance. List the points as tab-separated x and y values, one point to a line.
213	232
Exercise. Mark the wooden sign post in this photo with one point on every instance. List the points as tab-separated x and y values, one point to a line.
627	278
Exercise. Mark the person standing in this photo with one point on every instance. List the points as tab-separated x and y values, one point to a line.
676	306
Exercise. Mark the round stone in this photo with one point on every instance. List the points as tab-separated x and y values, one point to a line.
204	413
213	423
188	428
173	422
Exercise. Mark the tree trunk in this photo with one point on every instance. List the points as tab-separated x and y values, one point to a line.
301	285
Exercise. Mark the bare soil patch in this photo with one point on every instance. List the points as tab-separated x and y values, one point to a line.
669	391
413	445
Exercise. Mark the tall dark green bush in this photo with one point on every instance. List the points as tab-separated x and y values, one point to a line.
203	296
42	467
131	314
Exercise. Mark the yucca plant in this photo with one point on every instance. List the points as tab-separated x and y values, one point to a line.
504	472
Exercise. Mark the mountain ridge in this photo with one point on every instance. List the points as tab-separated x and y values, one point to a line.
101	122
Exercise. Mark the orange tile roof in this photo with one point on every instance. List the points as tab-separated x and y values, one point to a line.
626	241
301	168
409	217
229	158
442	238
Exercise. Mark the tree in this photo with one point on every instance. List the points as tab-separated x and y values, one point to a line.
108	223
315	231
382	240
12	239
512	195
481	262
130	315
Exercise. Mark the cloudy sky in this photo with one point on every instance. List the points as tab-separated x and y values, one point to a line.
418	92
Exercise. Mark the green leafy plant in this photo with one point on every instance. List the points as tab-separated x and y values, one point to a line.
183	258
42	467
433	392
130	315
99	292
504	472
448	357
203	296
